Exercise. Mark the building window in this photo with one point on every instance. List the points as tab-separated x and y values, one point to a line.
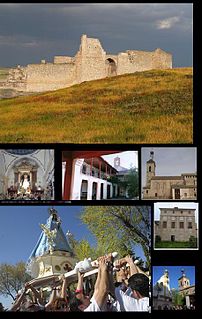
164	224
185	194
181	225
84	169
189	225
149	168
172	224
155	194
146	191
181	211
189	212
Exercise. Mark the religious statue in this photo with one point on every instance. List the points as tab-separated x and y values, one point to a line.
25	184
51	236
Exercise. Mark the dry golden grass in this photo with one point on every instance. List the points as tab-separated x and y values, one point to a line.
145	107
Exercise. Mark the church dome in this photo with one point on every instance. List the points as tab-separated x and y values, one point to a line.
20	151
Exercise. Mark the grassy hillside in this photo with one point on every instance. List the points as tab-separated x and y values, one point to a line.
145	107
3	73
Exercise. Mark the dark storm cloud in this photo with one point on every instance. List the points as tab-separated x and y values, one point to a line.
31	32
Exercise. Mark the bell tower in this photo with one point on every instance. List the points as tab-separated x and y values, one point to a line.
183	281
117	161
151	165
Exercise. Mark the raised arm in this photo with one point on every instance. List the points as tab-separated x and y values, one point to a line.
64	288
18	301
35	292
52	299
102	283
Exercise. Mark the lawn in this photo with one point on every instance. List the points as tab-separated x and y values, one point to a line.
176	244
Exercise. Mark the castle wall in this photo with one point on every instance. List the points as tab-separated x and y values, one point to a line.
90	63
190	179
45	77
63	59
90	60
133	61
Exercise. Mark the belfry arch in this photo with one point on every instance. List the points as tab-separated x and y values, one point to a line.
111	67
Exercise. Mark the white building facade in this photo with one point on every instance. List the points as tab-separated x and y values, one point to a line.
90	180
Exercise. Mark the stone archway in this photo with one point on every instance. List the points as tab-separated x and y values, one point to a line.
111	68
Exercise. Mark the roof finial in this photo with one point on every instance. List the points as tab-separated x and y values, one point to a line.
152	155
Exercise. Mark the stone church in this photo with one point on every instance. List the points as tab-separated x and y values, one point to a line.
168	187
91	62
26	174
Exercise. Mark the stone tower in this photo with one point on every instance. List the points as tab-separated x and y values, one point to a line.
117	162
52	254
150	170
90	60
183	281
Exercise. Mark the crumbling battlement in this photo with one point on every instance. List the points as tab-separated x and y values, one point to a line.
90	63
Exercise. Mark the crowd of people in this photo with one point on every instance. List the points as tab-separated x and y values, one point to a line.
37	195
119	285
177	307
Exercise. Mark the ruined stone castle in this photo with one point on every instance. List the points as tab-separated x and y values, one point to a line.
90	63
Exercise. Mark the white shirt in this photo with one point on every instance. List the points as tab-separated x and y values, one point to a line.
93	306
128	303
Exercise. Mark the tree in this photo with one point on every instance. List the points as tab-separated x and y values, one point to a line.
119	228
193	242
157	239
132	181
12	278
83	249
129	182
177	298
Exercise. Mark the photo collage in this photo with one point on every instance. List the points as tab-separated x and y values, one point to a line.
99	148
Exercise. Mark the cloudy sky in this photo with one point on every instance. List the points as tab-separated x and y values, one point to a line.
172	205
31	32
170	161
128	159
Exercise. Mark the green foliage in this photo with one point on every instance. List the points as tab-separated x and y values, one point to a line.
132	180
119	228
178	299
193	242
173	244
157	239
12	278
83	249
129	182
